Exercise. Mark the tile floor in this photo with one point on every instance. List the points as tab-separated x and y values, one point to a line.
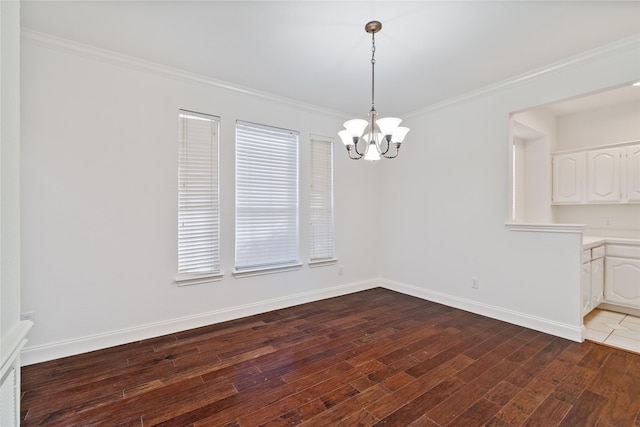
615	329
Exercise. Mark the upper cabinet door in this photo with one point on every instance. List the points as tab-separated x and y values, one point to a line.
633	173
567	177
603	175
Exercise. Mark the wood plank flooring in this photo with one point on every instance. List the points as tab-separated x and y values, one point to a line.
371	358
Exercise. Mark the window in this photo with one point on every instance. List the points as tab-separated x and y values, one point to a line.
198	205
266	198
321	204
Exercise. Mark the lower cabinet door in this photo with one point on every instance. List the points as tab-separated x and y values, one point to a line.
622	281
586	288
597	282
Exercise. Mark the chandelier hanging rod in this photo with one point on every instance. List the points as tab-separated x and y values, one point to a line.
373	27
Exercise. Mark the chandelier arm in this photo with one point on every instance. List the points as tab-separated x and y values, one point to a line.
351	157
397	144
387	149
355	146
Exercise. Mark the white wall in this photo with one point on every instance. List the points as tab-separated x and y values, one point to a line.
448	198
99	194
621	220
99	191
603	126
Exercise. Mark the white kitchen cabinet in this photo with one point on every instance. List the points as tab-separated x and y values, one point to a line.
599	175
567	170
592	278
603	175
632	172
622	275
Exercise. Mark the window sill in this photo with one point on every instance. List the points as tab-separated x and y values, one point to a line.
322	262
188	280
265	270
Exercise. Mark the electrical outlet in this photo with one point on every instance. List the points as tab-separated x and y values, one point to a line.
475	283
28	315
340	271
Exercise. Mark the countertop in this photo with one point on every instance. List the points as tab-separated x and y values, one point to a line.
589	242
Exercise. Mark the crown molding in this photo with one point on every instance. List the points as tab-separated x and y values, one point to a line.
115	58
57	43
628	43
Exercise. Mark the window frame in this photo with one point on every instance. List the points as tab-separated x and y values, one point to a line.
255	169
206	228
321	202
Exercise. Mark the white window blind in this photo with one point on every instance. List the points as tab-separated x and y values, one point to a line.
321	203
198	204
266	197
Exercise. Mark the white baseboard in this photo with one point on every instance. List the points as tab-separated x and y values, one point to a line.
56	350
570	332
42	353
620	309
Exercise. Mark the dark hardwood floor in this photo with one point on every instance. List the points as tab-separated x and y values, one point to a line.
370	358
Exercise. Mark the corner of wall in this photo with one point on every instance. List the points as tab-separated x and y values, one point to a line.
547	326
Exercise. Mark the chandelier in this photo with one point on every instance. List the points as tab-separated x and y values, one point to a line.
372	138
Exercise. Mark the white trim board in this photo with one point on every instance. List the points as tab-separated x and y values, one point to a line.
115	58
53	42
625	44
56	350
499	313
42	353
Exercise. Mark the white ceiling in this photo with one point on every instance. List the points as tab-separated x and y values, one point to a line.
318	52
